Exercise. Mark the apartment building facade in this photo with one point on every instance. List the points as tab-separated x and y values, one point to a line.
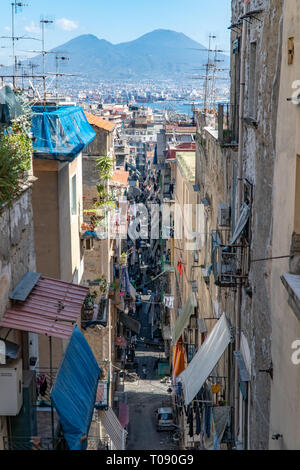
233	273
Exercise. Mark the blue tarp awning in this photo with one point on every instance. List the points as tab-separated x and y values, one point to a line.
74	392
60	133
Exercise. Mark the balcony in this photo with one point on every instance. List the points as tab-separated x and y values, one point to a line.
228	122
230	263
96	313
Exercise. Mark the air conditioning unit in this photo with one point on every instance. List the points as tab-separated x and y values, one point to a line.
224	215
11	395
194	286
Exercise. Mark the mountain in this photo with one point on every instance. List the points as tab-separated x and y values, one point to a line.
159	54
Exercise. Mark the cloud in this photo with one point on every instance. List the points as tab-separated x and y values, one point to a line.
67	25
7	28
32	27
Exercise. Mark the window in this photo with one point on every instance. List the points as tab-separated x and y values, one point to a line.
252	81
73	196
291	51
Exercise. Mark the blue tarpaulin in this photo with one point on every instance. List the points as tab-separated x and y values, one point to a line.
74	392
60	133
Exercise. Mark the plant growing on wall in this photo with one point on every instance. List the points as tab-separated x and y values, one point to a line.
105	199
227	136
103	285
15	159
105	167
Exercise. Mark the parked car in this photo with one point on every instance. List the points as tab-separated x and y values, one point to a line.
165	419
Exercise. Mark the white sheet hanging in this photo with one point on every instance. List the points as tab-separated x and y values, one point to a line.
201	366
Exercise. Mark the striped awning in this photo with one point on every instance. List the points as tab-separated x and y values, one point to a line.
183	319
51	308
113	428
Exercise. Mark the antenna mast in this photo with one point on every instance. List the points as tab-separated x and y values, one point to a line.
44	52
14	9
58	58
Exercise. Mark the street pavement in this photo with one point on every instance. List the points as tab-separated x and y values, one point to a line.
144	396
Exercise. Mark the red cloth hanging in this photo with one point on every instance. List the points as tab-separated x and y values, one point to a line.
180	268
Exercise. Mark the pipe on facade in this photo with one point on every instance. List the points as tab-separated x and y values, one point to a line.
238	206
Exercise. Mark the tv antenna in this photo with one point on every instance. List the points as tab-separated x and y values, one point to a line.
15	8
44	22
210	77
59	58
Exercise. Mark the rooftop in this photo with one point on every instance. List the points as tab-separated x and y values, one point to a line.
120	176
181	129
99	122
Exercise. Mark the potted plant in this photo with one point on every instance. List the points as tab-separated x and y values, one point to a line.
112	289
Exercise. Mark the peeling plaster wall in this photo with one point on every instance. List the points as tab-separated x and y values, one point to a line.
258	161
214	176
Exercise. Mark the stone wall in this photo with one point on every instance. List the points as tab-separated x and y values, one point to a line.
258	160
17	255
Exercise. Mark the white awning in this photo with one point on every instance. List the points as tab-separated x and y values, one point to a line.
114	429
201	366
183	319
241	224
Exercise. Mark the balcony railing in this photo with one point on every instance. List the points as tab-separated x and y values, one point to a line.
228	124
230	263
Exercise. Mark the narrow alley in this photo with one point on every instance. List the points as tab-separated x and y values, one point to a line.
145	396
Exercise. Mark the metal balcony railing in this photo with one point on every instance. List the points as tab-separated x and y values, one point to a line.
230	263
228	124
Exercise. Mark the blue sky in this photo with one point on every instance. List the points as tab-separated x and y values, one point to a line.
116	21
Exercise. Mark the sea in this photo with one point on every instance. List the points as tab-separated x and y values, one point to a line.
183	107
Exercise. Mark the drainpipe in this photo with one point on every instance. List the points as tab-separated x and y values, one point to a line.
239	203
